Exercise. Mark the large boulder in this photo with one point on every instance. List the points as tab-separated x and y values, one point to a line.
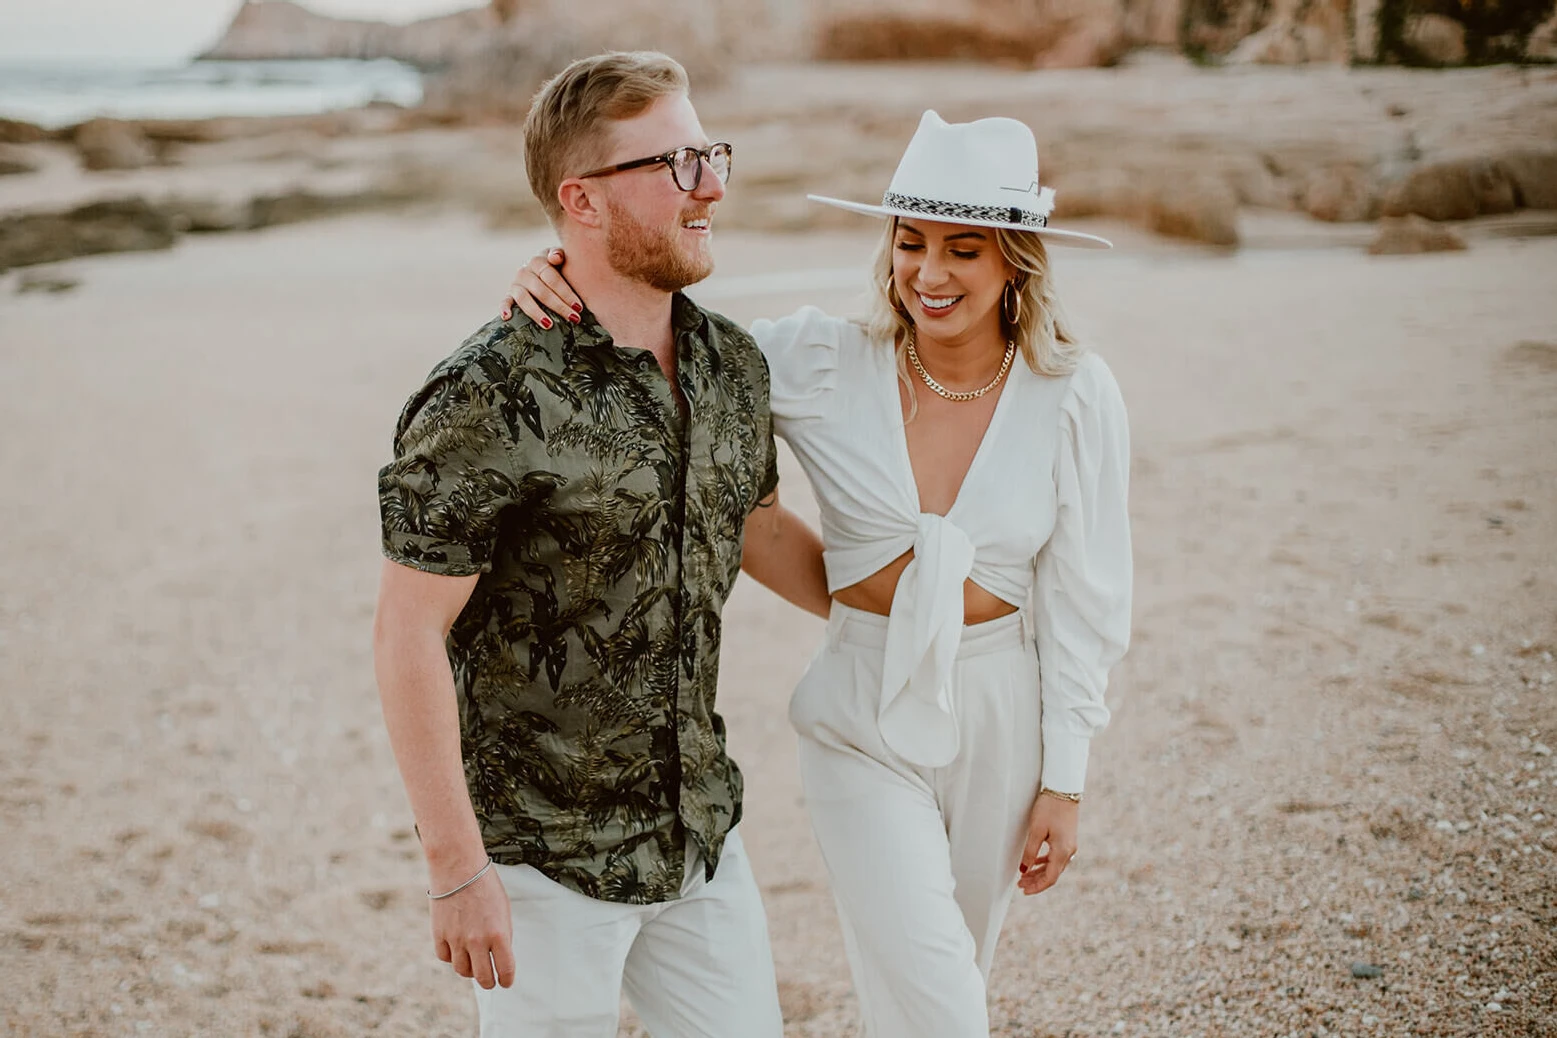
113	144
123	225
1534	175
15	160
500	75
279	29
1435	39
15	131
1034	33
1408	235
1203	209
1456	189
1297	35
1340	194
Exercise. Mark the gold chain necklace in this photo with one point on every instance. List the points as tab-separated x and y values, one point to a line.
956	397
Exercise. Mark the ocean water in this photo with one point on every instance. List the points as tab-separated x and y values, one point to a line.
57	95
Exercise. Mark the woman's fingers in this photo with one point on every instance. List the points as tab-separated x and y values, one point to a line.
562	298
461	961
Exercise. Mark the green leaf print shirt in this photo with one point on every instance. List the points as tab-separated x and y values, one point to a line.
606	524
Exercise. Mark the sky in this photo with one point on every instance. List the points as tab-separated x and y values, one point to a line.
157	30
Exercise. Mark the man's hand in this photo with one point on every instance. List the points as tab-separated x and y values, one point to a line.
1051	843
473	931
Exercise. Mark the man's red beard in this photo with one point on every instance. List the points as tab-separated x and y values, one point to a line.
656	257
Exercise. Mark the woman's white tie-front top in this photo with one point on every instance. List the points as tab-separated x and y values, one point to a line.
1041	517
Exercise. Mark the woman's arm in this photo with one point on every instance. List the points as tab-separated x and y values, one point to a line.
784	555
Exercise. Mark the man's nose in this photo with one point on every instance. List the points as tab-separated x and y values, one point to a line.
709	187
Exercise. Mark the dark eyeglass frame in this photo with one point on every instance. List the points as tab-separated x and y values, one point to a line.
704	157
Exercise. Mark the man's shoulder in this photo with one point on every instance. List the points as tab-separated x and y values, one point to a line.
489	353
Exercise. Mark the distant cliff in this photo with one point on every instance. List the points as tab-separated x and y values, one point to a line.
278	29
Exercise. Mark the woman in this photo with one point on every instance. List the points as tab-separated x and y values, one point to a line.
978	557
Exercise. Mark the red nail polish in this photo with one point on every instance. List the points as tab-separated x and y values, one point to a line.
545	322
506	315
578	308
1022	868
574	318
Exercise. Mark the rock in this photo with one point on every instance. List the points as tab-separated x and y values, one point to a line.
52	284
1435	39
15	160
1407	235
277	29
113	144
1457	189
1035	33
1203	210
1339	194
123	225
1534	175
207	215
1366	971
14	131
1153	23
501	76
1542	43
1365	30
1302	34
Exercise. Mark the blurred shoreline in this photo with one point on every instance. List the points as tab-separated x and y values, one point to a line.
1178	150
61	95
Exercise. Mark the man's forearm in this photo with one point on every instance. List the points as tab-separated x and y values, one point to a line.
416	688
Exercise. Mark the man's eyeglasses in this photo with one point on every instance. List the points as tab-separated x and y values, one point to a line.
686	165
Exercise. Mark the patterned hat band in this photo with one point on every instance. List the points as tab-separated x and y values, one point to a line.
964	211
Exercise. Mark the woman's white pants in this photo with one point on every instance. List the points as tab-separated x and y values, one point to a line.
923	861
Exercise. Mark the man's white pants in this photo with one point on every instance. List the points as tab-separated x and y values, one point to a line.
923	861
699	967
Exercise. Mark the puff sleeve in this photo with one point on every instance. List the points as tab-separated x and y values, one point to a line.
802	354
1084	573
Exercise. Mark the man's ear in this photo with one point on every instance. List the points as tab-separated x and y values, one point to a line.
582	202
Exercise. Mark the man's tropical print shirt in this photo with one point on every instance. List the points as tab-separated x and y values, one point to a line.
603	513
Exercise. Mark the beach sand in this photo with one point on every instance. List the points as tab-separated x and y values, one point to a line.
1331	741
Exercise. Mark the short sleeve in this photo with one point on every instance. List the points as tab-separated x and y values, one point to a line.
441	497
802	354
1084	573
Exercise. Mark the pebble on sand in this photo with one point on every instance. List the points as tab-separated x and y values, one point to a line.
1366	971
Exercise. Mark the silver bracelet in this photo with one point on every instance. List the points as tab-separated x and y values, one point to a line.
439	897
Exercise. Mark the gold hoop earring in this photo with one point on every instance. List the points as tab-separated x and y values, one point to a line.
894	301
1011	300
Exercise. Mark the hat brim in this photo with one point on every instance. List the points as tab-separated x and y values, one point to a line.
1075	239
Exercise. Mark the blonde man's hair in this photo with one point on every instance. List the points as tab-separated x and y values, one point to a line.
1040	331
567	131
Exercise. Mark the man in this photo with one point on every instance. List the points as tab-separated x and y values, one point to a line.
562	521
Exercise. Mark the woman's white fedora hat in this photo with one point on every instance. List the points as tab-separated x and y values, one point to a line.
983	173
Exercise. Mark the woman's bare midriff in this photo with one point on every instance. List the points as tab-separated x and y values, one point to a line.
874	594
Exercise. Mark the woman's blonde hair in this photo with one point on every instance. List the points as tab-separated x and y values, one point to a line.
1040	331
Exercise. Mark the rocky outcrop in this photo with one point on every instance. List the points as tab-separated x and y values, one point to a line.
113	144
500	76
1035	33
1412	32
1340	194
267	29
124	225
1457	189
1407	235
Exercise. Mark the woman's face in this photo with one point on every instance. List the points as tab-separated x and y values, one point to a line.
949	277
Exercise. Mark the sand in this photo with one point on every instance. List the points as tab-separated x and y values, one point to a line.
1331	741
